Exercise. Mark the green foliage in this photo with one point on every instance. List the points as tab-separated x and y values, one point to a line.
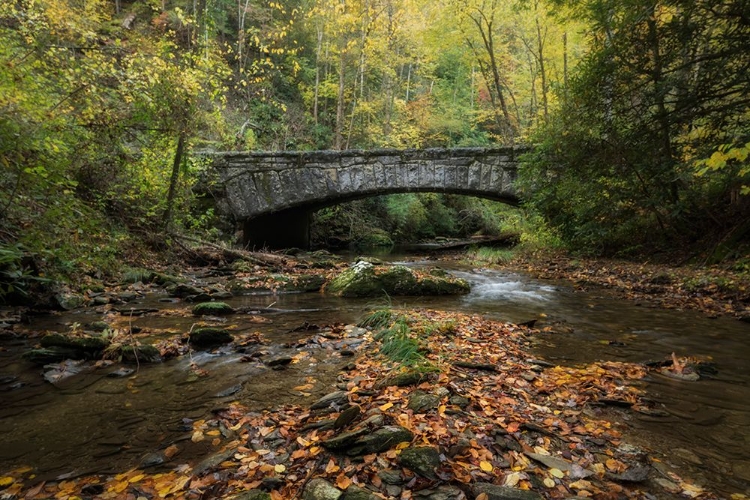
634	161
377	320
16	277
493	256
399	344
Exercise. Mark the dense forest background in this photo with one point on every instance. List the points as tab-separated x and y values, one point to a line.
638	111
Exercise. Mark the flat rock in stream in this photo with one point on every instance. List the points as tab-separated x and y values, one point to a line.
364	279
213	309
210	336
140	354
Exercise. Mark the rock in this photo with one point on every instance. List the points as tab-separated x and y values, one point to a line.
152	460
212	309
210	336
686	376
551	462
121	372
345	440
183	290
48	355
200	298
334	399
382	439
421	402
127	296
221	295
88	346
364	279
635	474
212	461
320	489
402	379
459	401
347	417
495	492
390	476
99	326
229	391
278	361
354	492
56	373
69	301
421	459
251	495
140	354
440	493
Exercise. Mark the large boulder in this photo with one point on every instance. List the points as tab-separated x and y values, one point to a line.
365	279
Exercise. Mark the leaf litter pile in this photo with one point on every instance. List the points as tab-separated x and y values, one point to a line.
436	406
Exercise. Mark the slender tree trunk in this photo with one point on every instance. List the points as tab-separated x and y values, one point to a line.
565	62
542	73
317	73
178	156
340	105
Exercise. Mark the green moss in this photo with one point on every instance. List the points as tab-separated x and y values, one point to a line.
212	309
210	336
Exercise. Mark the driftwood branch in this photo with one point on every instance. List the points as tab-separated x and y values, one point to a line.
260	258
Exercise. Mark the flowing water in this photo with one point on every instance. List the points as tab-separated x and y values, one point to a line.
96	423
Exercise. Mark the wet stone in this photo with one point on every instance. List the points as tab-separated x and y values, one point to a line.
495	492
421	402
210	336
421	459
212	309
440	493
391	476
354	492
121	372
334	399
251	495
320	489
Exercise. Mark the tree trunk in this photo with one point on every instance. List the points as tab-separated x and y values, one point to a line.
178	155
340	106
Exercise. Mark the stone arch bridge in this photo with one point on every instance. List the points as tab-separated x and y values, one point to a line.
273	194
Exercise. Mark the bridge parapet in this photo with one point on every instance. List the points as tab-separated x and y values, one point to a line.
259	183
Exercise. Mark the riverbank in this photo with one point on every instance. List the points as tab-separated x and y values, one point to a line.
716	291
432	405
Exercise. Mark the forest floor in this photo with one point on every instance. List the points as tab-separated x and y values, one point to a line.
468	414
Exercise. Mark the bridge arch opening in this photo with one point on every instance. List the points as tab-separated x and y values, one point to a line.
273	194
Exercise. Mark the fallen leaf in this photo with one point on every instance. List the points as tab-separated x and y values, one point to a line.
485	466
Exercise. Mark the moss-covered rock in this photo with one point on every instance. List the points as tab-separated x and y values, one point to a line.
140	354
375	238
212	309
210	336
87	345
364	279
55	354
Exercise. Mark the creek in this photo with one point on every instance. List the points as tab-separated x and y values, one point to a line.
94	423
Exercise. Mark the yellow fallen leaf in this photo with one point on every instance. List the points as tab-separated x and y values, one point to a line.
512	479
135	479
279	468
214	432
549	482
343	482
6	481
385	406
485	466
197	436
482	496
557	473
